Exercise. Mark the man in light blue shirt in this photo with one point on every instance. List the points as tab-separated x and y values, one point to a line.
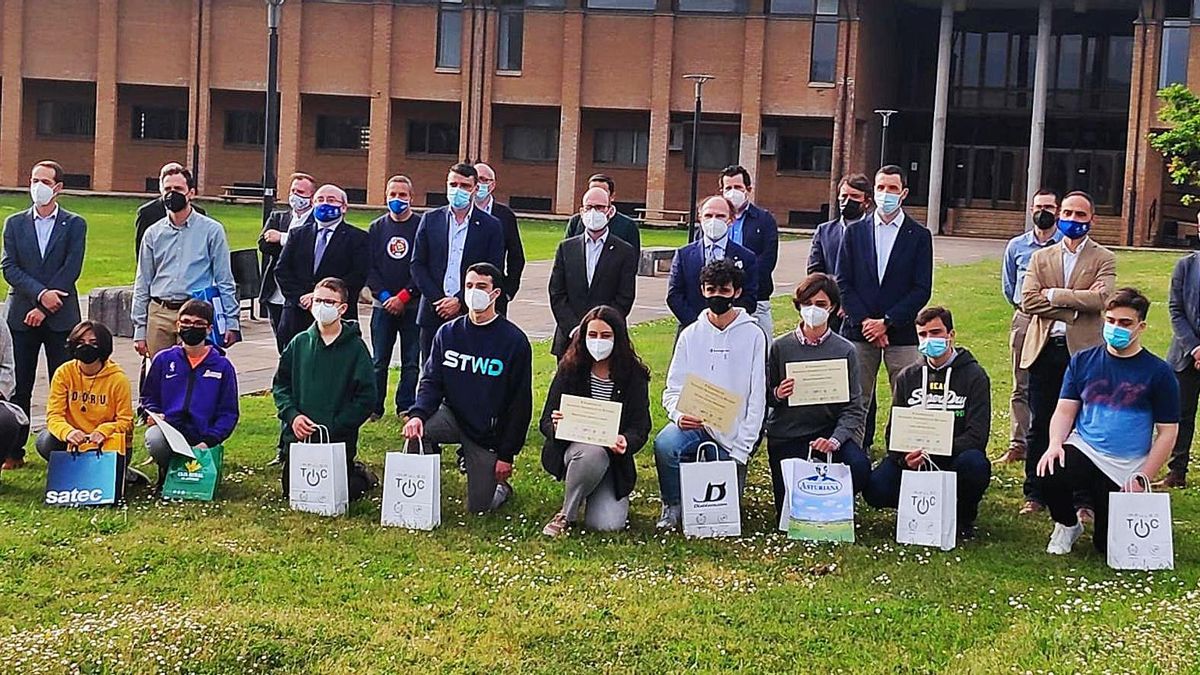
1020	249
183	253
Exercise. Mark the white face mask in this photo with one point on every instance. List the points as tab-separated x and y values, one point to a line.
714	228
595	221
477	299
736	197
324	314
599	348
814	316
41	193
299	203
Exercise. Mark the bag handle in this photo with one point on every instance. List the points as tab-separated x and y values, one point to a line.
1132	480
420	445
700	455
321	431
926	463
828	455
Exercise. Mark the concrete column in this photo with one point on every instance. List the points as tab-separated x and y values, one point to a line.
289	97
203	92
752	68
844	119
941	101
12	98
569	121
105	145
487	72
380	150
660	111
1041	85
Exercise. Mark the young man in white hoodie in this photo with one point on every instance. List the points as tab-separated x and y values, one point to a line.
727	348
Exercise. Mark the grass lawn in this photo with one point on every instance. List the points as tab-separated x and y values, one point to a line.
110	261
244	585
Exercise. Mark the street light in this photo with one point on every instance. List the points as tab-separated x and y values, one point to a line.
271	133
699	81
887	120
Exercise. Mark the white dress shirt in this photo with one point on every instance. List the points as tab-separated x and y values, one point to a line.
885	240
44	226
456	240
592	248
1069	259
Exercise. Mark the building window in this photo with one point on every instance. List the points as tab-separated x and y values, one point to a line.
511	38
449	36
245	127
159	124
343	133
822	65
531	144
621	147
66	118
647	5
715	6
432	138
1173	65
716	149
804	154
803	7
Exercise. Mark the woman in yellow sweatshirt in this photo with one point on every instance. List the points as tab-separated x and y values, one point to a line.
90	402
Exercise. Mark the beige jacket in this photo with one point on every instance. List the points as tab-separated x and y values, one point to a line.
1075	304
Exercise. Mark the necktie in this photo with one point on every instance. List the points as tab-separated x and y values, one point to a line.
322	242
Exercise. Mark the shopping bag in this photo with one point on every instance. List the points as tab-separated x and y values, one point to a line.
93	477
818	501
1139	530
194	478
317	480
212	295
711	504
928	511
412	490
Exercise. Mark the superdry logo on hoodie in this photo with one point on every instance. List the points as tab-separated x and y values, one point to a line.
472	364
954	401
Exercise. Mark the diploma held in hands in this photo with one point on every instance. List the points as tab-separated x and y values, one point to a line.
819	382
715	406
920	429
588	420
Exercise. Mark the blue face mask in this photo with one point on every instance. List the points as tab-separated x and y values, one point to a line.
482	191
397	206
1073	229
1117	337
327	213
887	202
934	347
458	197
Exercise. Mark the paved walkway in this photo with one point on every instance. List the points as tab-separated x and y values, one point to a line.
255	357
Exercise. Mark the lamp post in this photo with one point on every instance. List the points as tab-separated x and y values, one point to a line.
887	121
271	133
699	81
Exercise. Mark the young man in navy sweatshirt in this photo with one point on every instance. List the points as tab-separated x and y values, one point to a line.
193	386
476	390
395	296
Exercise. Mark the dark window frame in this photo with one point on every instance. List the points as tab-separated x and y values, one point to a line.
174	119
1181	29
732	7
640	141
806	155
551	141
510	13
52	118
620	5
342	127
731	138
453	60
242	120
427	130
824	24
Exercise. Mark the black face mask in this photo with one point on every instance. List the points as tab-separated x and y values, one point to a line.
1044	220
193	335
175	201
86	353
851	210
719	304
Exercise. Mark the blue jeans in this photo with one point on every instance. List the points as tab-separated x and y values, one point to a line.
974	473
384	329
673	446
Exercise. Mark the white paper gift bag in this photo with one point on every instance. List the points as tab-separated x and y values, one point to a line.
1139	530
711	503
818	501
412	490
317	481
927	514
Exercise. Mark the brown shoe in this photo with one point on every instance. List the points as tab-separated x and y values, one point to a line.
1013	455
12	464
557	527
1172	480
1085	515
1031	506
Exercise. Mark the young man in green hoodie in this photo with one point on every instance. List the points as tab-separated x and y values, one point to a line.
325	378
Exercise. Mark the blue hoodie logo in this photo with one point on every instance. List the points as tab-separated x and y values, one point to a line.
472	364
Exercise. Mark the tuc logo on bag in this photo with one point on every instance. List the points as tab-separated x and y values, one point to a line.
1141	526
410	485
923	503
313	474
714	494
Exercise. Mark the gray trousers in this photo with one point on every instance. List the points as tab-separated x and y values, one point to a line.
482	495
159	449
895	358
1018	402
589	480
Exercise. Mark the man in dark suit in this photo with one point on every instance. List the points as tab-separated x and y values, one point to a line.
754	228
514	254
853	205
272	240
885	274
592	269
43	255
326	247
154	210
619	224
449	240
683	287
1184	357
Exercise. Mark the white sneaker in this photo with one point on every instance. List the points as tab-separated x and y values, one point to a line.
669	520
1063	538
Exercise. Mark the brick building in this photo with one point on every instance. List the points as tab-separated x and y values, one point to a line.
550	91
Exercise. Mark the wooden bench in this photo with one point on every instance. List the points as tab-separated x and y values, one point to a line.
661	217
655	260
241	193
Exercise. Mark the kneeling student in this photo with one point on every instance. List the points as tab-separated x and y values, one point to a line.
193	386
830	429
325	378
947	378
599	363
476	390
1117	416
14	424
725	347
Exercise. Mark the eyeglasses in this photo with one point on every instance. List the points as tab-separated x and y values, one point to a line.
327	302
192	324
595	207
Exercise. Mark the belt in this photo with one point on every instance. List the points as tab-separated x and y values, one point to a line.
173	305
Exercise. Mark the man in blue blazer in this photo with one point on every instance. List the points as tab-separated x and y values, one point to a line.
854	202
450	239
683	287
42	259
754	228
885	274
1183	303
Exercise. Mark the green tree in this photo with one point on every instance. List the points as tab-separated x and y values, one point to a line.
1180	144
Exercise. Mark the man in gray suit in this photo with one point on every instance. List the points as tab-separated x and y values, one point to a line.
1184	357
42	259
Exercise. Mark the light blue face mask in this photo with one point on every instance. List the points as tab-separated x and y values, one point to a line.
482	191
933	347
887	202
1117	337
458	197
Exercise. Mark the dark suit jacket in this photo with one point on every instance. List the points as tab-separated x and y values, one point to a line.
514	254
826	244
621	225
614	282
760	234
278	221
28	273
346	257
148	214
683	287
907	281
485	243
1183	304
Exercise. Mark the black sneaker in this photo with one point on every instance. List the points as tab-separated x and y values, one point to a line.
135	477
462	461
365	471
